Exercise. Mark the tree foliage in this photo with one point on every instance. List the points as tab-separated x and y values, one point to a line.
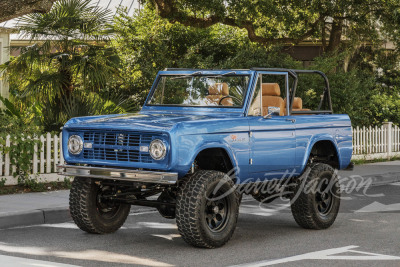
269	22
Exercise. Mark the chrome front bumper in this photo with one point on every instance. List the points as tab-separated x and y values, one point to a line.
119	174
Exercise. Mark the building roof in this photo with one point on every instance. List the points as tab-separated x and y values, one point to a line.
113	5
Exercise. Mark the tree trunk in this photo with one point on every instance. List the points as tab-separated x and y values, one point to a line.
63	100
335	37
67	86
323	36
10	9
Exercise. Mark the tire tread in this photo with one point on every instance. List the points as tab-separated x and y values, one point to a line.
189	196
302	207
81	208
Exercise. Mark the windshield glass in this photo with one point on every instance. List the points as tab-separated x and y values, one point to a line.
200	91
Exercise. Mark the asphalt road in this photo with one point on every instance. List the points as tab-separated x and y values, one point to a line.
367	232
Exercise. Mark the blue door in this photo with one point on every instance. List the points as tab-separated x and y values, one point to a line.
272	146
272	131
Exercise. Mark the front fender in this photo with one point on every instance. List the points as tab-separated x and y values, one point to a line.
222	145
191	145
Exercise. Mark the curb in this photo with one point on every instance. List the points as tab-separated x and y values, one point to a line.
46	216
41	216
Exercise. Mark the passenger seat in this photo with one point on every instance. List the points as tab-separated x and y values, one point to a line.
297	105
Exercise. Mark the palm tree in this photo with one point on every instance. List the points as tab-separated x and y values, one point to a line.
68	61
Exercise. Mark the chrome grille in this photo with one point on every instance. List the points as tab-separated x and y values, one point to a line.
118	146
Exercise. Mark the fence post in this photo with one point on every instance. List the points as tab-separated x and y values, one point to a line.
55	152
48	153
389	141
41	154
35	157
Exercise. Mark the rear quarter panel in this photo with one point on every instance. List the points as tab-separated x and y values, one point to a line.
313	128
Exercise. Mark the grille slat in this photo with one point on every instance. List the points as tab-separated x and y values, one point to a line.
118	146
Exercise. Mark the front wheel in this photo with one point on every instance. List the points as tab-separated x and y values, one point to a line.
207	208
316	201
88	211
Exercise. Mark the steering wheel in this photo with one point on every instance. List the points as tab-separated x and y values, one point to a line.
228	96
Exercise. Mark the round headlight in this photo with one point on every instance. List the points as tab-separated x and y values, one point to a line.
157	149
75	144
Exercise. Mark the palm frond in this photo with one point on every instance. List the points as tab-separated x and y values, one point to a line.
72	19
68	66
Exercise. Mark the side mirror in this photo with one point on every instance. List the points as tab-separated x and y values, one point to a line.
276	111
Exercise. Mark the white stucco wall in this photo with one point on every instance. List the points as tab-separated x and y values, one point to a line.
4	57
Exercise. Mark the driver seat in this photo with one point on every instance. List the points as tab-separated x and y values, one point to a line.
216	92
271	97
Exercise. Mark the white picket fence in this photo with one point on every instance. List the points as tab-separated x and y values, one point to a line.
376	142
368	143
48	154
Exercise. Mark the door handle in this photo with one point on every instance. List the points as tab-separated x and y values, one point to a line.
292	120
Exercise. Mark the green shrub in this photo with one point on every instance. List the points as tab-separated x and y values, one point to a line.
21	133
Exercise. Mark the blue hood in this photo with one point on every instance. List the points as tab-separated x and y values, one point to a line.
138	122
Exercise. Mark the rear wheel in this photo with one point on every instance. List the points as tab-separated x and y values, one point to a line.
207	208
88	210
316	201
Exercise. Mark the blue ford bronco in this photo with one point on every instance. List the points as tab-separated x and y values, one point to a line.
201	137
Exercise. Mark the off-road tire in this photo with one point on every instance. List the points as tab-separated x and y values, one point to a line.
304	205
191	204
85	212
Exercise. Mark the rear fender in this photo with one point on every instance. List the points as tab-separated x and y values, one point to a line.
315	139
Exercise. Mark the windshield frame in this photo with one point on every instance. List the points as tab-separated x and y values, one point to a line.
228	72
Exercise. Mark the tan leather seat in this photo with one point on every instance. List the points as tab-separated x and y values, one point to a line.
297	105
271	98
216	92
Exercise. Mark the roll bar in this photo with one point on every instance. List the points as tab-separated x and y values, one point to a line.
294	74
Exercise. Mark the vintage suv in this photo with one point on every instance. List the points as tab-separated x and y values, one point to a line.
199	136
